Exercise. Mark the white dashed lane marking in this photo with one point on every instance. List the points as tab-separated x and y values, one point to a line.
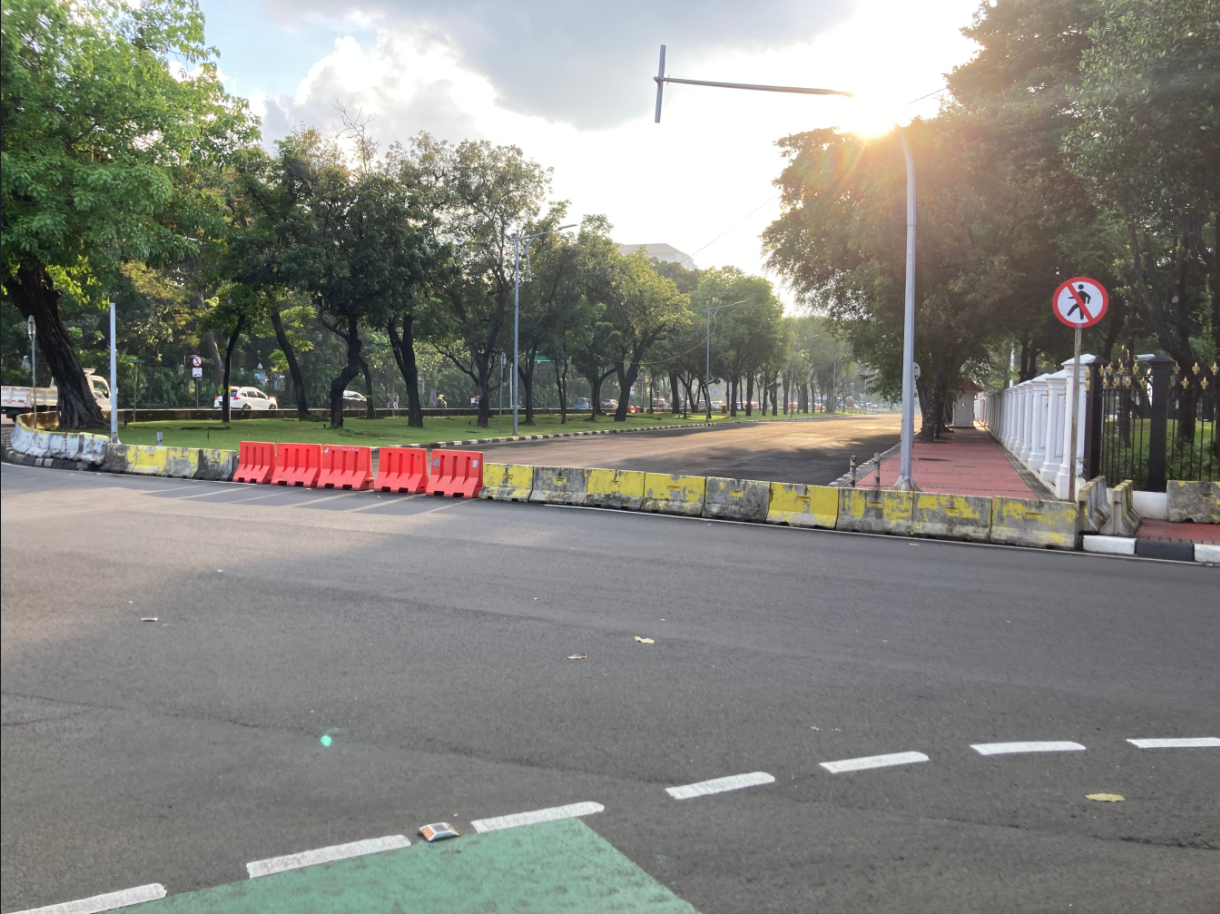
720	785
325	855
874	761
108	902
573	811
1197	742
1009	748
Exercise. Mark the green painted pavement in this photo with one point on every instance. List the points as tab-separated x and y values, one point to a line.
552	867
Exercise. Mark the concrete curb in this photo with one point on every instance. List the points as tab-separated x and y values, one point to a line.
1205	553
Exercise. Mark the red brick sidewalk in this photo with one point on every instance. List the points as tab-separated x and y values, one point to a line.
969	462
1166	531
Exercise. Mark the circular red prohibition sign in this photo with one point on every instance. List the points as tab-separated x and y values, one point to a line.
1080	302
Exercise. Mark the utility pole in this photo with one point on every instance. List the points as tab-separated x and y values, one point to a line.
905	483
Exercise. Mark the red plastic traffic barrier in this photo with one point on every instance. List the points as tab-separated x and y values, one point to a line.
402	469
255	461
297	465
456	473
345	467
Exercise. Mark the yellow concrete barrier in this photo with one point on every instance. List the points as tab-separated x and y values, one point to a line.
803	506
1024	522
507	482
875	511
615	489
957	517
674	494
736	499
559	485
176	462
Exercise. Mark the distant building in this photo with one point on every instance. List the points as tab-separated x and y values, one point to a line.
666	253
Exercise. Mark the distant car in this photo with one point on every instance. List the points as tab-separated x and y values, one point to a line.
583	403
632	408
660	403
609	406
247	398
353	399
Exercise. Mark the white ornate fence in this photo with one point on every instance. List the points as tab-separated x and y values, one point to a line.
1034	421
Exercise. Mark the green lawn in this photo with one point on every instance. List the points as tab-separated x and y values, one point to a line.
372	432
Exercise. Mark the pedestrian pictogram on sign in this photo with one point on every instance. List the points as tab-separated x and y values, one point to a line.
1081	302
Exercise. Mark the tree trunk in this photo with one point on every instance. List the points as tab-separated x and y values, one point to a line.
483	363
733	398
626	377
213	351
36	296
829	394
370	407
561	386
932	402
404	354
350	370
525	371
294	369
747	402
675	408
595	396
226	400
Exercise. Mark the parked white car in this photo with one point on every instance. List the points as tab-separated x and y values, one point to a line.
248	398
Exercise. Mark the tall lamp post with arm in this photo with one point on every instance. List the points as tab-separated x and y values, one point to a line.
518	240
905	481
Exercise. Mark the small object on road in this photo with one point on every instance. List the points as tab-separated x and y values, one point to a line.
149	619
578	656
644	640
438	831
1105	797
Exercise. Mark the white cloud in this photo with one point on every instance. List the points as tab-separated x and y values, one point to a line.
710	163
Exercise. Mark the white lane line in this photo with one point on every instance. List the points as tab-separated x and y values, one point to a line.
1197	742
107	902
874	761
1009	748
538	815
326	855
720	785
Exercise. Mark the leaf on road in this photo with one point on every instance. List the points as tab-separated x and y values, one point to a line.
1105	797
644	640
150	619
578	656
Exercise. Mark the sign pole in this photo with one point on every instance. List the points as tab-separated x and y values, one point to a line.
114	383
32	329
1075	418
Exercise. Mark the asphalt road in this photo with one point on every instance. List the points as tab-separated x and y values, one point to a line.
428	638
813	451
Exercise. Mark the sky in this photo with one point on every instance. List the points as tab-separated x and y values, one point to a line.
571	84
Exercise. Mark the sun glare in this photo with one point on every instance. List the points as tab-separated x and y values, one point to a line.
867	119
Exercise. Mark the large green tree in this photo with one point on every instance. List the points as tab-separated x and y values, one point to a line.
109	151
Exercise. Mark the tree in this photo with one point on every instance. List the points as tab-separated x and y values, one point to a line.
481	196
645	309
1148	142
744	336
109	151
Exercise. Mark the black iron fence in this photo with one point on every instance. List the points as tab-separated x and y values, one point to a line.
1151	420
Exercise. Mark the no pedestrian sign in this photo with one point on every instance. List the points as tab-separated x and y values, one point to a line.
1081	302
196	366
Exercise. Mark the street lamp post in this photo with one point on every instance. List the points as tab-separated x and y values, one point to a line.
905	482
707	386
114	382
528	239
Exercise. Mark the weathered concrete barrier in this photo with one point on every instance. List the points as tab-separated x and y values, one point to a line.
673	494
1024	522
507	482
615	489
803	506
736	499
175	462
559	485
43	442
956	517
1124	520
875	511
1193	501
1094	501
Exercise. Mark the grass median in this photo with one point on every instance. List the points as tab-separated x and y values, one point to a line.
377	432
